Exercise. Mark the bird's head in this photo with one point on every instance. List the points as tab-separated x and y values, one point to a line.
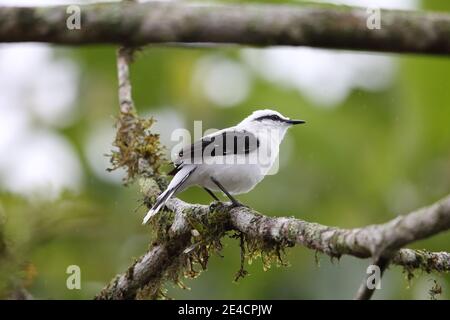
269	119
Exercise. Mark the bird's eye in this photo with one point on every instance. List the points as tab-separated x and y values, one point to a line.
272	117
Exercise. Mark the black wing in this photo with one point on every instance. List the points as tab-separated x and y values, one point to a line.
221	143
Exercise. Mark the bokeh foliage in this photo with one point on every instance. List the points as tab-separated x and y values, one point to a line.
376	155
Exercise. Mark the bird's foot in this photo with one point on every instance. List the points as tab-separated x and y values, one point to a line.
235	204
215	204
231	205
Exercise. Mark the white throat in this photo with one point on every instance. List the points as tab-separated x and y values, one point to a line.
270	138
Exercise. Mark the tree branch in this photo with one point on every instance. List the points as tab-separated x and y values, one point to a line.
364	292
335	242
362	242
124	58
261	25
147	273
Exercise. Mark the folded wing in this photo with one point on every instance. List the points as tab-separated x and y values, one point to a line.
218	144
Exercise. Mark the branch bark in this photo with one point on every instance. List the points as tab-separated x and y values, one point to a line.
147	271
365	292
124	58
361	242
365	242
261	25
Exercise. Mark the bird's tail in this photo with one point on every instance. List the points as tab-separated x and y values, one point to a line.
173	187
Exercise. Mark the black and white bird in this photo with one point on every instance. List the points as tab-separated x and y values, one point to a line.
233	160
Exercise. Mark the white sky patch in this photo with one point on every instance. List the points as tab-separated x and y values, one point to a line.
99	142
327	77
35	80
38	93
54	95
324	77
13	125
97	146
224	82
42	164
168	120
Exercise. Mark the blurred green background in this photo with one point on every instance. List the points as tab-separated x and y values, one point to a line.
376	145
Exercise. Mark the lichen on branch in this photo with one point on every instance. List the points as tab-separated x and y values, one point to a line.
139	24
136	148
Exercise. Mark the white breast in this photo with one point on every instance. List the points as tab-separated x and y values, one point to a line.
236	179
239	173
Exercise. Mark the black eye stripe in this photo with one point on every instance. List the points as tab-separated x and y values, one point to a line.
272	117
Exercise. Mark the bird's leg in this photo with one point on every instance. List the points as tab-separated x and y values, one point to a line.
233	200
211	194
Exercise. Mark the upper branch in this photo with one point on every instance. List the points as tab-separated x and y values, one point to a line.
261	25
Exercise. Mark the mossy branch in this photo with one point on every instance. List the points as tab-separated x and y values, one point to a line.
136	147
174	255
138	24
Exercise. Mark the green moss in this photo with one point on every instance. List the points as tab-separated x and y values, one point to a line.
108	293
205	240
270	252
435	290
161	226
423	262
136	148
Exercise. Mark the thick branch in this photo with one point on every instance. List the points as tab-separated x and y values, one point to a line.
148	270
362	242
261	25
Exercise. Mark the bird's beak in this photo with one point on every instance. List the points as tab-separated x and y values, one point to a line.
295	121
